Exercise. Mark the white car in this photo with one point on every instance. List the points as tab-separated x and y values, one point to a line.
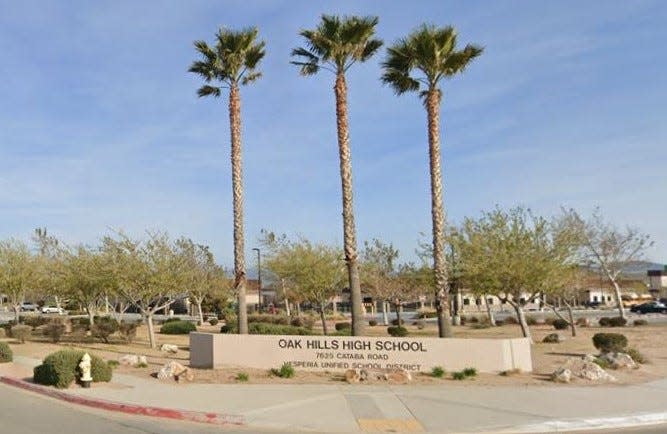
53	309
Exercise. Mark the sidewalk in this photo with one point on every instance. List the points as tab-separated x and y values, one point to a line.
348	408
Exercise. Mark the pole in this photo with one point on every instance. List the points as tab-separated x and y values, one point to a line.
259	280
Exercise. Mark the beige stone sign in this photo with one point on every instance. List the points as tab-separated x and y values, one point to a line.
339	353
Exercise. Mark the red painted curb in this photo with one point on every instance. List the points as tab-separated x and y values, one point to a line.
191	416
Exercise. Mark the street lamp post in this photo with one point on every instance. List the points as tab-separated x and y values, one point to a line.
259	279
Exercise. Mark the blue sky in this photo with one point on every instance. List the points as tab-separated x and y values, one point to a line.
100	126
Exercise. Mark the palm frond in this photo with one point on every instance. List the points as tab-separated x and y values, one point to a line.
207	90
251	77
307	68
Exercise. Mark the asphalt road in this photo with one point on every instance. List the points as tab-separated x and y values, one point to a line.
22	412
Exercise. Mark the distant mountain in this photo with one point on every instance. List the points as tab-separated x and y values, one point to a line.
638	269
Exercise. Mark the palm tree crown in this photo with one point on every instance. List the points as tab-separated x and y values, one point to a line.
336	44
430	50
232	61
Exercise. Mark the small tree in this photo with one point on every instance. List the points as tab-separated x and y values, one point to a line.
513	255
607	246
86	277
377	269
18	276
315	271
150	273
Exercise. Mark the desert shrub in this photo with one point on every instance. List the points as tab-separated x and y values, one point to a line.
228	328
458	375
6	354
640	322
510	372
472	319
54	330
560	324
531	320
482	323
128	330
372	323
610	342
437	372
395	322
500	322
603	363
636	356
617	321
178	328
343	326
303	321
470	372
113	363
549	320
103	328
172	319
268	319
551	338
141	365
242	377
605	321
35	321
61	368
397	331
285	371
21	332
259	328
213	321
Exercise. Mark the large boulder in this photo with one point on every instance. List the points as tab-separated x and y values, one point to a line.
129	360
176	370
169	348
399	376
583	368
562	375
619	360
352	376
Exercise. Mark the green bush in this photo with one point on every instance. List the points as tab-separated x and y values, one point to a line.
639	322
636	356
610	342
618	321
35	321
178	328
242	377
470	372
113	363
549	321
103	328
228	328
21	332
172	319
551	338
268	318
54	330
285	371
397	331
437	372
128	330
560	324
6	354
603	363
458	375
605	321
213	321
531	320
343	326
372	323
423	314
511	320
61	368
259	328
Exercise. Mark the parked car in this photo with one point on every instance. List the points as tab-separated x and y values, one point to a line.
650	307
28	307
53	309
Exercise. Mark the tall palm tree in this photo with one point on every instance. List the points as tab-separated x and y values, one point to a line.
430	54
232	61
335	45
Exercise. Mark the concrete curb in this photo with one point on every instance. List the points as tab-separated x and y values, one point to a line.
168	413
628	421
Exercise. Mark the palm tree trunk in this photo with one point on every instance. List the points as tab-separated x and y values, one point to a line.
349	231
237	190
437	213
